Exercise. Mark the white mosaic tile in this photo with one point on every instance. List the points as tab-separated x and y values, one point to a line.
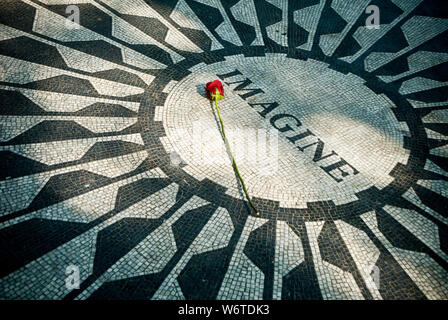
278	32
417	30
12	126
53	26
288	255
419	61
412	197
151	258
429	276
243	280
421	227
368	37
308	18
56	152
215	235
419	84
245	12
185	17
142	9
62	102
350	12
80	252
21	72
364	253
334	283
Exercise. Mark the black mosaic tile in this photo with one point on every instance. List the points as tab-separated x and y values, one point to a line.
116	240
27	241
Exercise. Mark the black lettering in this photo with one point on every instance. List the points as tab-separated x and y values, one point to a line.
230	74
242	86
303	148
337	166
307	133
300	136
287	127
319	151
270	107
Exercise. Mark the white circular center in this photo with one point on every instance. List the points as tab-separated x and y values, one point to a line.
300	132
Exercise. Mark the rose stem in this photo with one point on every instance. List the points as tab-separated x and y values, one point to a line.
233	159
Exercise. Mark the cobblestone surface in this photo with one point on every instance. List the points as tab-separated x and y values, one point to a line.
112	163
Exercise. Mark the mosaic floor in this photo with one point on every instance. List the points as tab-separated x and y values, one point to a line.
113	169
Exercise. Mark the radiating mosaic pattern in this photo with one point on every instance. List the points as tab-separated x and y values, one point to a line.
352	205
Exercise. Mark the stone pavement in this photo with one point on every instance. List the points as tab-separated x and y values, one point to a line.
113	169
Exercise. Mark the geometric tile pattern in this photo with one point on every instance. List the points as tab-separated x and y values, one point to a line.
352	204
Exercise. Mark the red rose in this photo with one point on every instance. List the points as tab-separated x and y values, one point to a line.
215	90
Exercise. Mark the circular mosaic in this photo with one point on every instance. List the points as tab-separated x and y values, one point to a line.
116	183
302	131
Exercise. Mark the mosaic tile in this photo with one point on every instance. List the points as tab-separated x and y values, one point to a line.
112	161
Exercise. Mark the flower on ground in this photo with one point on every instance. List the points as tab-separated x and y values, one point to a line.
215	92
